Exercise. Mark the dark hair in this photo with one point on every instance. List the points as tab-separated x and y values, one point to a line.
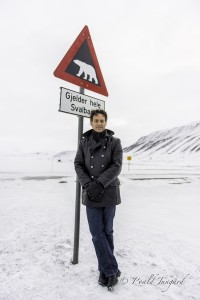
96	112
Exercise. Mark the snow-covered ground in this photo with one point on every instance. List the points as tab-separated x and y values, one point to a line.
157	240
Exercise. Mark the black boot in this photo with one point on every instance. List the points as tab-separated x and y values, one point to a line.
103	280
118	273
112	280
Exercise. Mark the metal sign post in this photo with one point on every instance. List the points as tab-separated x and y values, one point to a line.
78	197
129	158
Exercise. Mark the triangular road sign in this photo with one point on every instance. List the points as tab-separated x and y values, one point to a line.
80	65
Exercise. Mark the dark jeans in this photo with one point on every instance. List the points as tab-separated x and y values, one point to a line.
100	220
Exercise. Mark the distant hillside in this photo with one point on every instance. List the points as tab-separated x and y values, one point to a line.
65	155
178	140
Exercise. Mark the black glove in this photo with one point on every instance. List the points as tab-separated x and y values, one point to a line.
94	190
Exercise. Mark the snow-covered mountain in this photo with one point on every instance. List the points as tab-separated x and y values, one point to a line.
65	156
182	140
178	140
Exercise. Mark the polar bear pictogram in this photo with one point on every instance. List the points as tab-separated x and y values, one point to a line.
88	71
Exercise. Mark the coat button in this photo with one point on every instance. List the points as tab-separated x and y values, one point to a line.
91	167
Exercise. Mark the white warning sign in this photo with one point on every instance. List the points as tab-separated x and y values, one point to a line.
75	103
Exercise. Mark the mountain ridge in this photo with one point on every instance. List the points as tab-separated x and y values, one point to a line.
182	139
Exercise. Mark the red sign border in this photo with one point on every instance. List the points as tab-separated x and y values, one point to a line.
60	70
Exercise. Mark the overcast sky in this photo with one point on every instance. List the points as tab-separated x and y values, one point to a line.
148	51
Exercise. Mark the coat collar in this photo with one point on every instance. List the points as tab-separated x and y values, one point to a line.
88	133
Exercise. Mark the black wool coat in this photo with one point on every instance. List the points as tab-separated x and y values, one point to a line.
103	161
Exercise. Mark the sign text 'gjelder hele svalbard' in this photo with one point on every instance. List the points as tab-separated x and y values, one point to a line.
78	104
